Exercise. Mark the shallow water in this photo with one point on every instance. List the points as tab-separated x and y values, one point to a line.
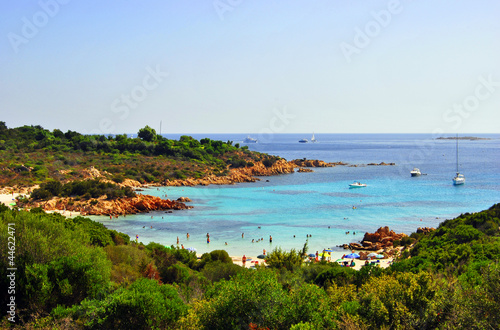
321	204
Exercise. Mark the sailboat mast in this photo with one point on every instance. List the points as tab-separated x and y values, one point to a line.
457	152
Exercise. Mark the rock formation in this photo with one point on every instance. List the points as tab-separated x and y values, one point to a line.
382	239
303	170
425	230
103	206
312	163
237	175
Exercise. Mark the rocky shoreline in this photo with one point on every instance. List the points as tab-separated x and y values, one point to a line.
250	174
381	241
115	207
146	203
238	175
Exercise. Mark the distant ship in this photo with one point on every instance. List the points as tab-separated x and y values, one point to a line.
415	172
248	139
303	140
313	139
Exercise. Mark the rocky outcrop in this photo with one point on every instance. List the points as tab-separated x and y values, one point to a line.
103	206
381	164
92	173
238	175
184	199
382	239
313	163
304	170
425	230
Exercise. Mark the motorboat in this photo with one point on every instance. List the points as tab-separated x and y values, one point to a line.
415	172
303	140
357	185
248	139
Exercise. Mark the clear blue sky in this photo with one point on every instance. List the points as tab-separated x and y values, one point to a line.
239	66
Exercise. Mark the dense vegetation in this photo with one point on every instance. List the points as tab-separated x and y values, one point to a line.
31	155
75	273
84	188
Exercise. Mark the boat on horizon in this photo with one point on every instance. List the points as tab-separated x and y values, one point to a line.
303	140
313	139
415	172
459	179
357	184
249	139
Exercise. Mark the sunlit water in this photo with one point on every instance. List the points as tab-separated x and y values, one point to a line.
320	204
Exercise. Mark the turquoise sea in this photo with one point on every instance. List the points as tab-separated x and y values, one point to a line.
320	204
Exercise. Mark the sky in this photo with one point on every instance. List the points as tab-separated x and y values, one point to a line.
239	66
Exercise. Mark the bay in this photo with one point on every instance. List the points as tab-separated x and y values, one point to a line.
320	204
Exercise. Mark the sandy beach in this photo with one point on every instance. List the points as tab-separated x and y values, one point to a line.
7	199
251	261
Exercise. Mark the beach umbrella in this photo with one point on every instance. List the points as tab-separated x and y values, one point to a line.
312	255
353	256
373	254
261	256
339	260
328	251
379	256
191	249
325	254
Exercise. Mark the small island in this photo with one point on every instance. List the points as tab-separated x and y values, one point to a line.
470	138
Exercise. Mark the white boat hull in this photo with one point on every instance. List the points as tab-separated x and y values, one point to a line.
357	185
459	179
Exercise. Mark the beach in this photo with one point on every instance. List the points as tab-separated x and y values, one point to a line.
8	199
382	263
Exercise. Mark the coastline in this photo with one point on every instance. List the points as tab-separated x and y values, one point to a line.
126	205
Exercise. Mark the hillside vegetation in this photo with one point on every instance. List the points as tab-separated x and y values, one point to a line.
75	273
32	155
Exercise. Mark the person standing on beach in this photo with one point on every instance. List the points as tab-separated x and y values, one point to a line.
264	252
177	240
244	260
208	240
270	239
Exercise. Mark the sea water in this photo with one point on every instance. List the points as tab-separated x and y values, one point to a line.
319	207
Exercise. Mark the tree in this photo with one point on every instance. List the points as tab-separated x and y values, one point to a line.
147	134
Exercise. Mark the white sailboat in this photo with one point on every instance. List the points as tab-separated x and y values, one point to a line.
313	139
459	178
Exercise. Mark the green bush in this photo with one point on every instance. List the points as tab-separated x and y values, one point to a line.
143	305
